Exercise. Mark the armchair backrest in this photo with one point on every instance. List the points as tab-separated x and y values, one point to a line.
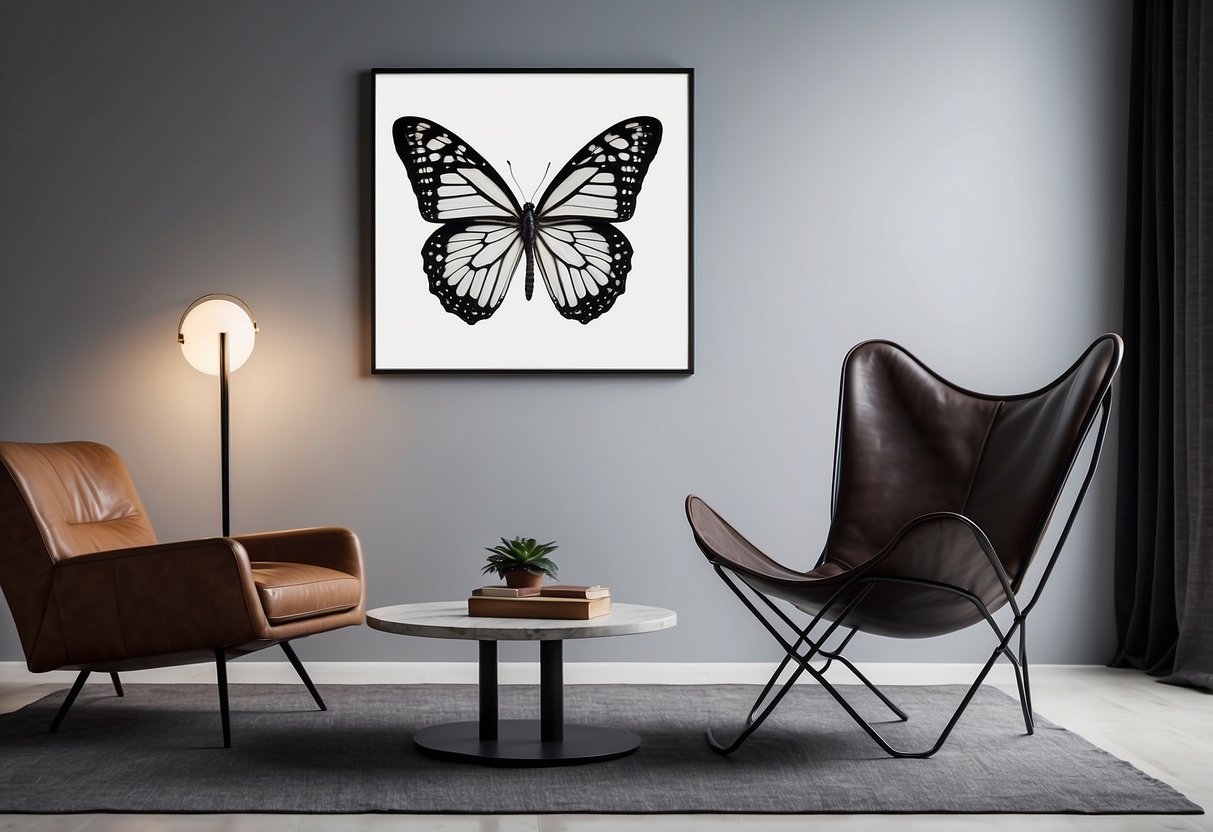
58	500
910	443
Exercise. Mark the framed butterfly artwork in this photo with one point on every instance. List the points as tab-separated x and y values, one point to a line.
532	221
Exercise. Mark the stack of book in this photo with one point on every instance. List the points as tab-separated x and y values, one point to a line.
552	601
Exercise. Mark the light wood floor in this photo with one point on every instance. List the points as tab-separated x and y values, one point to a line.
1163	730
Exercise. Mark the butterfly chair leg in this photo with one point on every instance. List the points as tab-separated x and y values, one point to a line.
803	661
871	731
803	638
898	712
884	744
67	703
1000	650
1021	684
117	684
767	689
221	678
1026	696
307	680
831	656
752	721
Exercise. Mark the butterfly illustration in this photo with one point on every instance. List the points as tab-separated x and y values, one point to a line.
569	236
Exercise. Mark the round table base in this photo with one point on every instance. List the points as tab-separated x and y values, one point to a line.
518	744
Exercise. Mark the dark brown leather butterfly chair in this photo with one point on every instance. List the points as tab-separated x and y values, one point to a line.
941	498
90	589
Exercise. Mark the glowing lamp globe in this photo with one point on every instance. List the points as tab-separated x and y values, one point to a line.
198	332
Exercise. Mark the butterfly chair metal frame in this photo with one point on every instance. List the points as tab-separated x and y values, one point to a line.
806	647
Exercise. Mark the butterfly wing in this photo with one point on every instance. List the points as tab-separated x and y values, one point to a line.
450	179
470	259
584	260
469	264
584	264
603	179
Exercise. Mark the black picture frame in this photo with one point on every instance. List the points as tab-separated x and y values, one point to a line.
434	313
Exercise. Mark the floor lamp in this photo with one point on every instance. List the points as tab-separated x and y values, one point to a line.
216	333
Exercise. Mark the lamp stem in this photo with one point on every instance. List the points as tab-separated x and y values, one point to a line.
223	432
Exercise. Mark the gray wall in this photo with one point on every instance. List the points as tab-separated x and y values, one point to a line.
948	174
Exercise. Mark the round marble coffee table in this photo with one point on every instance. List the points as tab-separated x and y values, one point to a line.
547	741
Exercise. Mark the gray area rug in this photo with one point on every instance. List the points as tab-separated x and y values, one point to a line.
159	750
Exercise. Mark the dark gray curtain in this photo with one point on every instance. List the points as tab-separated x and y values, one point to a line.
1164	534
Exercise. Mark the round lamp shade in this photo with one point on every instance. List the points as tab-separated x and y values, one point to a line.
198	332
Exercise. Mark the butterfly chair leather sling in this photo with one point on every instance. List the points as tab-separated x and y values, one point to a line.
91	590
941	498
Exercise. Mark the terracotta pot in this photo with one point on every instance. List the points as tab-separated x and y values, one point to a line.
519	578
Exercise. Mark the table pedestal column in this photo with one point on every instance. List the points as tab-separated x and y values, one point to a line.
551	691
546	741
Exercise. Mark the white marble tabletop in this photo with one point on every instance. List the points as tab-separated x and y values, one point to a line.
450	619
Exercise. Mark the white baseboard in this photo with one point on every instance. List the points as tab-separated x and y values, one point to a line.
527	673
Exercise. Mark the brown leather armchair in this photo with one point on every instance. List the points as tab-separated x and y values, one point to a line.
941	499
90	589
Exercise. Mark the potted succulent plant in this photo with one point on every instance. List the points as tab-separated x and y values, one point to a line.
521	562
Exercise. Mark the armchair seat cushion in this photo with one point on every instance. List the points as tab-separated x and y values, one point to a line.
291	591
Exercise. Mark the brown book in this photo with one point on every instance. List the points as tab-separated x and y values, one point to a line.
538	607
506	591
574	591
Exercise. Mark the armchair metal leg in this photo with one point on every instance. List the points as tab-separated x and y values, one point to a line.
221	678
117	684
67	703
307	680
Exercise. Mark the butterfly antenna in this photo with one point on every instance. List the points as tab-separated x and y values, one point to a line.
541	181
510	165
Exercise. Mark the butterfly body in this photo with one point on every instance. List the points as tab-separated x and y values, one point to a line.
569	236
528	246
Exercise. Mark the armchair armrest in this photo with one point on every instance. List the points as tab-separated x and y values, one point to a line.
330	546
202	548
151	600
